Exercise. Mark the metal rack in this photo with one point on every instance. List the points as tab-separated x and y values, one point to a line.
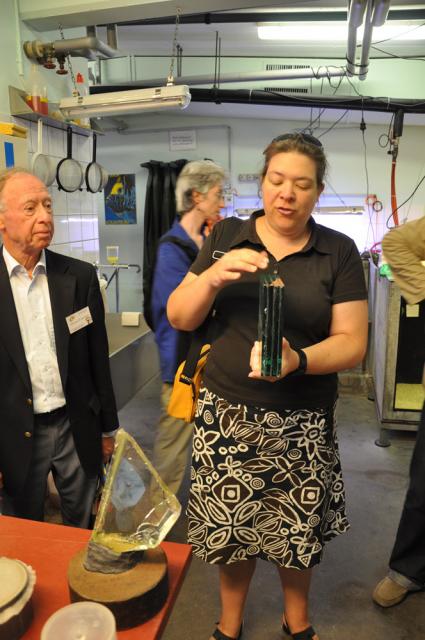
115	276
387	308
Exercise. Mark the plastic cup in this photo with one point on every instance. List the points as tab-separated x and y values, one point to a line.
80	621
112	254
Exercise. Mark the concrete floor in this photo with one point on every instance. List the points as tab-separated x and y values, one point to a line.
341	605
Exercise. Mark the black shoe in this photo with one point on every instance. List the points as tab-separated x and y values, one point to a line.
306	634
219	635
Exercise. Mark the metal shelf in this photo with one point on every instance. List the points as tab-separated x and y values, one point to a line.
20	109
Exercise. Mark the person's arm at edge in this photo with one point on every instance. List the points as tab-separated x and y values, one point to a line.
404	249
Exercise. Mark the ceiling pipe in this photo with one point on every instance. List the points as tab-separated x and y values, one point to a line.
355	19
89	47
262	16
248	76
376	14
112	35
380	12
367	41
249	96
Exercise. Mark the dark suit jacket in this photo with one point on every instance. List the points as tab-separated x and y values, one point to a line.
83	364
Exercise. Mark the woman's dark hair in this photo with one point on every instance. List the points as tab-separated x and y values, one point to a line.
300	143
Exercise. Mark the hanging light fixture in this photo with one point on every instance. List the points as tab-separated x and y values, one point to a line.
118	103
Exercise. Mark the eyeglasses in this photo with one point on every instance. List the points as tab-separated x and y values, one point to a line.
305	137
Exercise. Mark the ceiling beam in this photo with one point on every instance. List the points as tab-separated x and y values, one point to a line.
45	15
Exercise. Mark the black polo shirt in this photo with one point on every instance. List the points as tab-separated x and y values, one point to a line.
327	271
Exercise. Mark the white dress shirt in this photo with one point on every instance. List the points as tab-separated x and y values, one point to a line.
34	311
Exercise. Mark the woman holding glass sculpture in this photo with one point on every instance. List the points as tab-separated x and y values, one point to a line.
266	476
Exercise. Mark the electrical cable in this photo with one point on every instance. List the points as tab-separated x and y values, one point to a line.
394	206
418	26
395	104
403	203
411	201
321	112
393	55
334	124
369	213
336	193
386	135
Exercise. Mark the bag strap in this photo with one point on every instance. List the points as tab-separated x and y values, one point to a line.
196	343
199	336
188	249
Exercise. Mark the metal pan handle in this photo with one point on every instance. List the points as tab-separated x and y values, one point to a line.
94	146
69	142
40	136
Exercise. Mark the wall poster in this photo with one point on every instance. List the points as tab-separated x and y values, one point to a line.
120	199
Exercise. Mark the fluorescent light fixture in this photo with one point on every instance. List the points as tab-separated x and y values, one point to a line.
336	31
350	211
119	103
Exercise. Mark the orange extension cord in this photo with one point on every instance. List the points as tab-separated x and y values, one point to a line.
393	193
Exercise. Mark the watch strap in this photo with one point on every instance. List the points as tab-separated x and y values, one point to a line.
302	366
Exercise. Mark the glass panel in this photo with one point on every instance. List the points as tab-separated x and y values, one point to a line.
137	509
270	324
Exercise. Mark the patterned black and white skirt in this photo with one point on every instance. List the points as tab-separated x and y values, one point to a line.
264	484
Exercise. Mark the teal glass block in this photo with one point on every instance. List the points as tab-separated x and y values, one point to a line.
270	323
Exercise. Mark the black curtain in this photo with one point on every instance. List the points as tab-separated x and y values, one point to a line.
160	211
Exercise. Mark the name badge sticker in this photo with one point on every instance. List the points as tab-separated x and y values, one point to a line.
79	320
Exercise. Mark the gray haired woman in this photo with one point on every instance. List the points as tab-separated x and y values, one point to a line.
199	198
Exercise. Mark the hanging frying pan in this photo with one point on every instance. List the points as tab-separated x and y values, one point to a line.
105	178
44	167
93	174
69	173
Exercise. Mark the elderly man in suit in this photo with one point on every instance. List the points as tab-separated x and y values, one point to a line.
57	406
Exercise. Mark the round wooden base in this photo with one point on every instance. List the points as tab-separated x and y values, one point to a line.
133	596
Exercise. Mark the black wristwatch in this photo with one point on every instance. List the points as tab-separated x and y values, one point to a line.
302	366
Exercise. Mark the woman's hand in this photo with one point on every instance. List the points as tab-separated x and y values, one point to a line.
290	362
233	264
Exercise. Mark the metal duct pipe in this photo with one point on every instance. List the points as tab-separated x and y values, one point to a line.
380	12
88	47
112	36
91	31
248	76
367	41
355	20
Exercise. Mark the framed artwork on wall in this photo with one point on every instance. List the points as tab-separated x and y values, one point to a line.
120	199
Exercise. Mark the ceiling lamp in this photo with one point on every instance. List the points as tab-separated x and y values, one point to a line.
119	103
338	210
337	31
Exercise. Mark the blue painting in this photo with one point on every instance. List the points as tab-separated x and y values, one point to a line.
120	199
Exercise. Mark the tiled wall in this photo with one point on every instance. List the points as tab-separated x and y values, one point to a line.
75	214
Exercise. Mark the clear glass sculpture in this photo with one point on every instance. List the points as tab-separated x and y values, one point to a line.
270	323
137	509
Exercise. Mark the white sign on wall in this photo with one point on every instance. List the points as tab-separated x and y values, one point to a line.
182	140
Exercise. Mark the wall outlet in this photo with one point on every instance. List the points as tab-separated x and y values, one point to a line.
248	177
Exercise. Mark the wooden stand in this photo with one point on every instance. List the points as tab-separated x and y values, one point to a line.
133	596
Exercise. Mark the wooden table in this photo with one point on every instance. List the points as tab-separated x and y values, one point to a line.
48	549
